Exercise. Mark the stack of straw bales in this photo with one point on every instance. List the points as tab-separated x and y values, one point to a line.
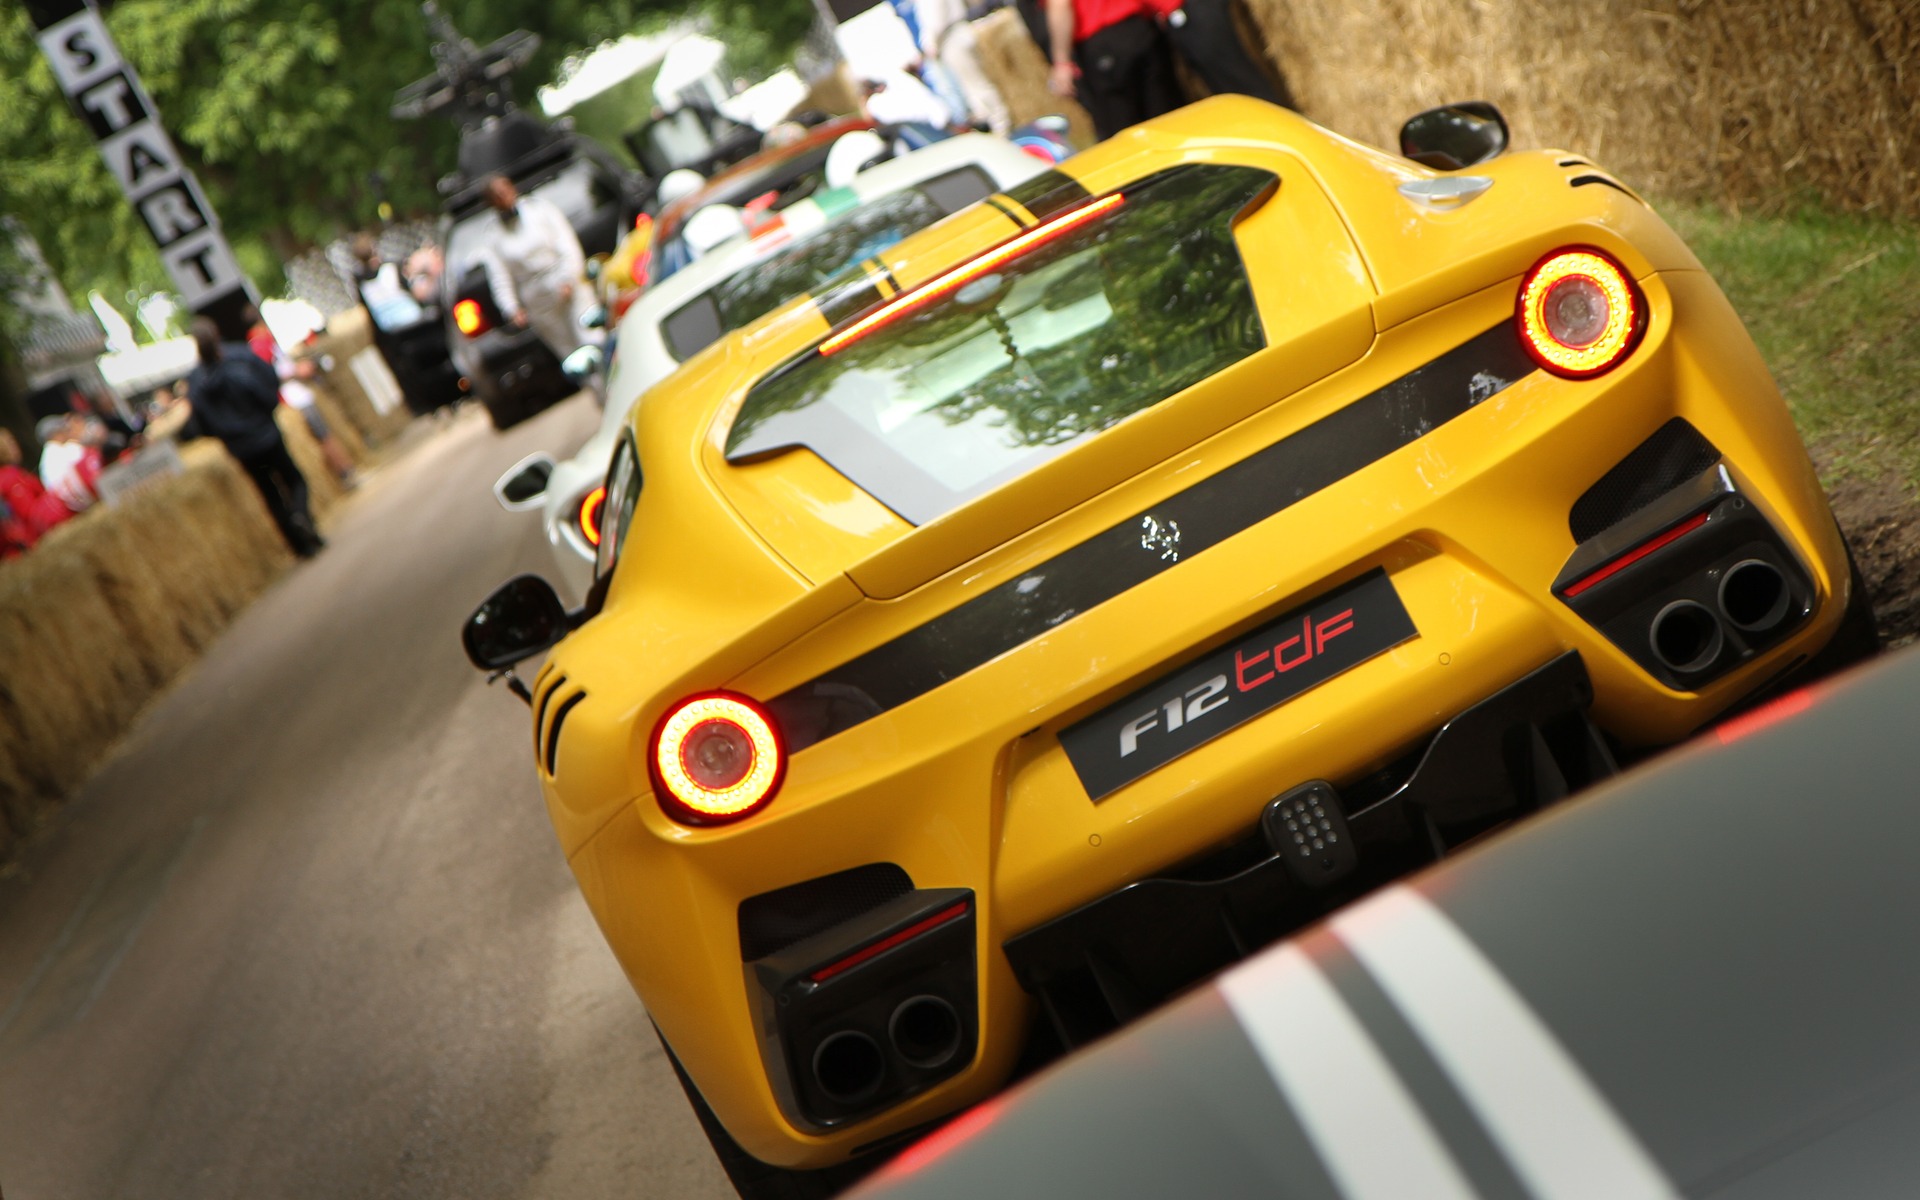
109	608
1752	104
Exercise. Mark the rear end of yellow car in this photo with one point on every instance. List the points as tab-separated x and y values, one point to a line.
1059	741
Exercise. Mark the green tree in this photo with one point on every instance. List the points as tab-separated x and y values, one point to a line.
280	108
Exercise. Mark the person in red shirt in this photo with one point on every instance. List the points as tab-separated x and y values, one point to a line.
1203	34
27	508
1111	56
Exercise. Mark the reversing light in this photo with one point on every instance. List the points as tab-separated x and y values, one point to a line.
715	758
918	298
1579	315
468	318
590	507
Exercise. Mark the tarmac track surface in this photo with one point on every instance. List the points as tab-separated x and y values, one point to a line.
308	933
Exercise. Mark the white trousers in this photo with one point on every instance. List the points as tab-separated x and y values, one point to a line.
960	54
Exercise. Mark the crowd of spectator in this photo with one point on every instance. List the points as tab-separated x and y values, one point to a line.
231	395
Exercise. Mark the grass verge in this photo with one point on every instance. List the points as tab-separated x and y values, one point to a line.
1833	301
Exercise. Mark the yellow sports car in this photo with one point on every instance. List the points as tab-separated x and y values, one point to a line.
1130	569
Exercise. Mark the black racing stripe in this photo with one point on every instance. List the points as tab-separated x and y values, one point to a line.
850	299
1048	193
1492	1176
1011	212
1120	557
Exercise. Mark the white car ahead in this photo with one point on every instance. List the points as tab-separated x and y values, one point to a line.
736	284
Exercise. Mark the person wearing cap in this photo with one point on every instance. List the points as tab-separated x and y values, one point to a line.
535	266
1112	57
234	396
69	465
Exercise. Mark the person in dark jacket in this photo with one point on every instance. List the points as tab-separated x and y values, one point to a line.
234	396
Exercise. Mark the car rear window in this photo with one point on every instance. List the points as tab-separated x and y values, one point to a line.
808	263
1016	366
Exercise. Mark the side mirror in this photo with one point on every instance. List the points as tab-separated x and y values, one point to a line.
524	483
1455	135
581	364
523	617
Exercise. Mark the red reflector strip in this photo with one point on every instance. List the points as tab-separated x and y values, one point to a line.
1636	554
1771	713
933	289
887	943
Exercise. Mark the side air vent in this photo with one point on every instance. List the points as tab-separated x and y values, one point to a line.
550	754
1602	181
1674	454
772	921
551	681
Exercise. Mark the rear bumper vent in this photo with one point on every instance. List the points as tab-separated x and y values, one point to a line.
772	921
1674	454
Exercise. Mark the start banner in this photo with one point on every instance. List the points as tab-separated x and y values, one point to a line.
106	94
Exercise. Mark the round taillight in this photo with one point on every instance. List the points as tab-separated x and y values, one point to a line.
468	318
715	758
1579	314
589	517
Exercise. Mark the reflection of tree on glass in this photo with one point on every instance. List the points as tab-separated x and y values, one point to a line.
1013	367
804	267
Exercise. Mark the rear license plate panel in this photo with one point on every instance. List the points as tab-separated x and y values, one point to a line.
1231	685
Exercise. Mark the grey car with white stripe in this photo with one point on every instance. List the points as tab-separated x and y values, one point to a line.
1700	980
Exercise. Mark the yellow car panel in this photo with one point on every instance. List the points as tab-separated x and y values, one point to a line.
777	575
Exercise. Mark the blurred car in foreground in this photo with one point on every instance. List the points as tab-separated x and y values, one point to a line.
1696	981
794	254
1128	571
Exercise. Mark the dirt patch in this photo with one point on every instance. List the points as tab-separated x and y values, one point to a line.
1881	519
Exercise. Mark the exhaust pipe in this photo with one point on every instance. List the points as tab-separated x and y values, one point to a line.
1753	596
848	1066
925	1031
1686	637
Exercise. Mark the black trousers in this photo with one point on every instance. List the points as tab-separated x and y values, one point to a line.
1126	75
284	489
1203	34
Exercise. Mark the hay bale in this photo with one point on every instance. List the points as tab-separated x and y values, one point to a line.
1754	105
833	93
348	334
324	488
108	609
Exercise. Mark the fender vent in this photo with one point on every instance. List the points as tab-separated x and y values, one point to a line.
552	681
1602	181
772	921
551	753
1674	454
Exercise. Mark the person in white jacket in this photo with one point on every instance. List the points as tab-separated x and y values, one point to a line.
535	266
